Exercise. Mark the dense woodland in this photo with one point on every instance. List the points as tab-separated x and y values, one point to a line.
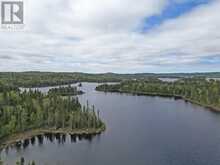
35	79
21	111
198	90
39	79
65	91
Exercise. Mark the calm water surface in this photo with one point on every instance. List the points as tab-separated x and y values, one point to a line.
169	79
141	130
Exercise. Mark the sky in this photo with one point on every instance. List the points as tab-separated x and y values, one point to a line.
121	36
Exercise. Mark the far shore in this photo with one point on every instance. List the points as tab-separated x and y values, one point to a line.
209	107
18	137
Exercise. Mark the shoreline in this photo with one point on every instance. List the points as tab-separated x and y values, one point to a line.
208	107
28	135
63	84
47	85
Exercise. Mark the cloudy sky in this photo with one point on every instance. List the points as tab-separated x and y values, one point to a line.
123	36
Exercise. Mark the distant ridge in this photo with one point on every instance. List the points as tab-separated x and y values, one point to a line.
123	75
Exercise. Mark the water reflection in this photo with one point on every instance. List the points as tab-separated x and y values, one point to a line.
25	143
33	140
73	138
49	137
40	139
140	130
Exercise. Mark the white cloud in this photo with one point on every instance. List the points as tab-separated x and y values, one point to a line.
100	36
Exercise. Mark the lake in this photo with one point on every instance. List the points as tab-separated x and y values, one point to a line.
141	130
169	79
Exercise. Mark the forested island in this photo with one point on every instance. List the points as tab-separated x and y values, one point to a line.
65	91
196	90
29	113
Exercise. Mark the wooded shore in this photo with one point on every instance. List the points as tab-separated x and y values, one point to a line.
17	138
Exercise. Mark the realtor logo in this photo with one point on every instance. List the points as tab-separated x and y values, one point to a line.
12	14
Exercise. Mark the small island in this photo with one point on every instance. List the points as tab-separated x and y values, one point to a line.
65	91
24	115
195	90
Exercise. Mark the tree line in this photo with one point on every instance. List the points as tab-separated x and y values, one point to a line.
42	79
39	79
198	90
22	111
65	91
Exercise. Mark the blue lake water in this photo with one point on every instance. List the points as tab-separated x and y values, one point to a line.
141	130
